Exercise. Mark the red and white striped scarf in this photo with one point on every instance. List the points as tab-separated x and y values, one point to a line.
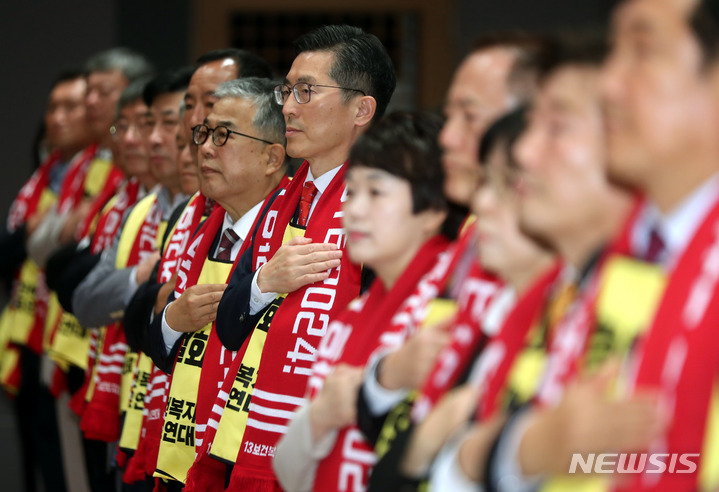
295	331
378	321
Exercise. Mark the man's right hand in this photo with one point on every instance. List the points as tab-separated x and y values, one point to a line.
297	263
408	366
195	308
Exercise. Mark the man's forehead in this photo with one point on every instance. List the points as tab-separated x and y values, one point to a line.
207	77
133	109
230	111
108	75
482	77
571	90
311	66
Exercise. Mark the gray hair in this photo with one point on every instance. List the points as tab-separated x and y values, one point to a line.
133	92
268	121
132	64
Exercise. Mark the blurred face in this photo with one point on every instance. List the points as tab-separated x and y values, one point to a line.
189	180
240	165
477	96
132	153
103	92
382	231
200	96
501	246
65	123
562	155
658	102
163	121
322	128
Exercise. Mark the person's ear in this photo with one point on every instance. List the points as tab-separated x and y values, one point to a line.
275	158
365	111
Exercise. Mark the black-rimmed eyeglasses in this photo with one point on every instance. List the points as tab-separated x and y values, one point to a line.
220	134
303	91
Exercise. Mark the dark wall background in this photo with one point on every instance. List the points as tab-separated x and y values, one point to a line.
40	38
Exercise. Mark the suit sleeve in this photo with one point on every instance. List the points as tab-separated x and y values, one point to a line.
66	269
140	309
234	321
12	252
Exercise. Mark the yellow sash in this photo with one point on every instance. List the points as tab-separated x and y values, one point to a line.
231	428
96	177
10	355
133	415
130	232
22	309
398	419
177	446
629	294
71	343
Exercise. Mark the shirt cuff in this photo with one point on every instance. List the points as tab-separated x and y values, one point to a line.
446	472
380	400
169	336
507	469
259	300
131	285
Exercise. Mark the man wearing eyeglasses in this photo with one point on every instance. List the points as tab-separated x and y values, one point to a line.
241	158
100	299
295	276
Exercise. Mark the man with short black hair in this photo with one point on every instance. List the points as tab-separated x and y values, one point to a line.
241	149
214	68
296	276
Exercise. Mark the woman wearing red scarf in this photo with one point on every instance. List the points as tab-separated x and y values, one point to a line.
398	224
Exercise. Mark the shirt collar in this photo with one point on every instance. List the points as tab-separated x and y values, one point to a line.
323	181
243	224
678	227
167	204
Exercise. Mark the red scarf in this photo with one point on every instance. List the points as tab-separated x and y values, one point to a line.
28	199
680	355
498	356
144	461
101	418
176	245
189	271
30	297
72	188
219	359
378	321
475	291
111	220
572	332
296	330
105	232
207	473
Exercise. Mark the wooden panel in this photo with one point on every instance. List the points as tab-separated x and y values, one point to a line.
415	33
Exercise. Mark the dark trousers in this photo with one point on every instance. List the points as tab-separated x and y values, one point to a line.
38	427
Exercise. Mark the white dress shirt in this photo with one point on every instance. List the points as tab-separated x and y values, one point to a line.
676	229
242	229
258	299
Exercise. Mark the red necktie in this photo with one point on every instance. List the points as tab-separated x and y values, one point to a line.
224	250
656	248
308	195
